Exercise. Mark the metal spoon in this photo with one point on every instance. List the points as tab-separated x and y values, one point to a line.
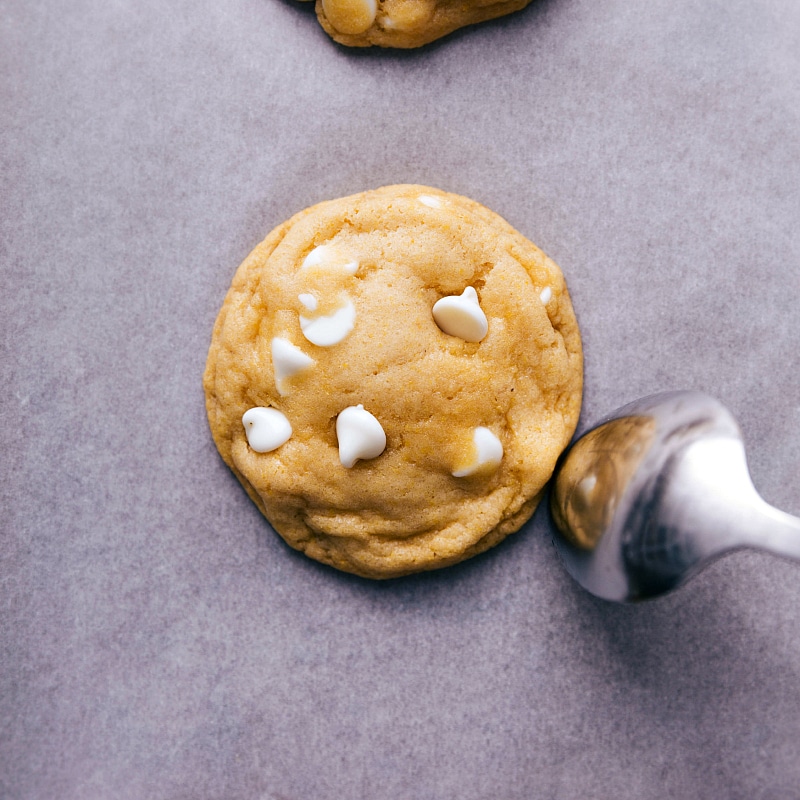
657	491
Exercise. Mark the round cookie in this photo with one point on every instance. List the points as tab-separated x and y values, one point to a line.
404	23
392	377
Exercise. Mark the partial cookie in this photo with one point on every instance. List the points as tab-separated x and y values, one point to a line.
392	378
405	23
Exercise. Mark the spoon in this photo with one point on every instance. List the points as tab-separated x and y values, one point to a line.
657	491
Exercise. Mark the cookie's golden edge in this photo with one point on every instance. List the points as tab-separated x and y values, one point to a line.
315	548
447	18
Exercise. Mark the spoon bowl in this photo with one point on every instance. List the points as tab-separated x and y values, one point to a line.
654	493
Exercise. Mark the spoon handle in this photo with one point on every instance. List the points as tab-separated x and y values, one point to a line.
718	501
780	533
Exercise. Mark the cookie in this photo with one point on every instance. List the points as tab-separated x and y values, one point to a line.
392	377
404	23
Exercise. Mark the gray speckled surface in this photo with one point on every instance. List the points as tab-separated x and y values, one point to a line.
157	640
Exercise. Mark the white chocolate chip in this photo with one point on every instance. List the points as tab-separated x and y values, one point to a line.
266	429
350	16
327	257
546	295
359	434
287	360
407	15
488	453
430	200
462	316
331	329
308	301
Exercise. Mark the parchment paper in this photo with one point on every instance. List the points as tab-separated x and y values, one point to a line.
157	639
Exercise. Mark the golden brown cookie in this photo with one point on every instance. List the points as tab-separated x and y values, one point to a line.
392	378
405	23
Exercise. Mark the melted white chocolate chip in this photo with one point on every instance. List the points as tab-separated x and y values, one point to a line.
350	16
359	434
546	295
287	360
308	301
462	316
430	200
328	330
406	15
488	453
266	429
327	257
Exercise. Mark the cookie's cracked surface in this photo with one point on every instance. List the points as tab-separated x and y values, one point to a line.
447	443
